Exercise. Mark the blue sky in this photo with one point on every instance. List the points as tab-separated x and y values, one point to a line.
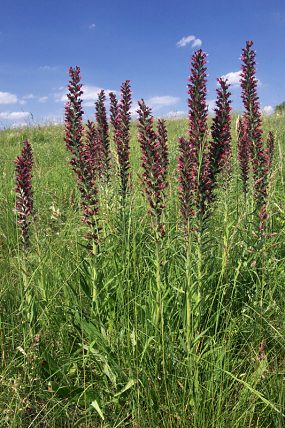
128	39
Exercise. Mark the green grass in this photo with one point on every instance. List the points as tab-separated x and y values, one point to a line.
82	341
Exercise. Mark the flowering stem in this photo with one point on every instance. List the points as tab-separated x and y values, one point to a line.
24	192
253	123
81	157
121	118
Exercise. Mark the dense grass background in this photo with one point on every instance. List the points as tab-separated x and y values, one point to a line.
81	342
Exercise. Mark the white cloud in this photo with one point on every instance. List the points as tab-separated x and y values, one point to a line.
15	115
90	95
42	99
134	109
177	114
60	97
268	110
155	103
29	97
195	42
163	101
7	98
233	77
91	26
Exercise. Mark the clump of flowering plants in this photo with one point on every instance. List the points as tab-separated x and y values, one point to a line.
194	159
154	163
81	156
121	120
253	123
24	192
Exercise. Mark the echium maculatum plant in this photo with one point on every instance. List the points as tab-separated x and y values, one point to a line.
220	150
194	163
103	136
121	119
153	164
81	159
24	192
252	121
243	153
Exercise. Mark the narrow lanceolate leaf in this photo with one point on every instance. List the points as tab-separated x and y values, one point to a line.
129	385
96	406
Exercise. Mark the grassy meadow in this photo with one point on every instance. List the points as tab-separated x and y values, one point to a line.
81	339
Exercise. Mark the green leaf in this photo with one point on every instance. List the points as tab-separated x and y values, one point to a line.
130	383
97	408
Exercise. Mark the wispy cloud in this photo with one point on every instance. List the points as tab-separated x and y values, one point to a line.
42	99
29	97
91	26
90	95
195	42
268	110
14	115
234	78
162	101
7	98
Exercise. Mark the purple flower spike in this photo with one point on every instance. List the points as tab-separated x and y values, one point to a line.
153	164
253	123
82	156
24	192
